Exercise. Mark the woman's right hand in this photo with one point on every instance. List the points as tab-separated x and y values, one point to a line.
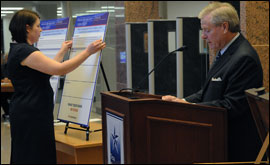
66	45
95	46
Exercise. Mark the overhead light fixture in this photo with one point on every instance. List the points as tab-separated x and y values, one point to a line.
94	11
119	8
80	14
11	8
99	11
107	7
119	16
6	12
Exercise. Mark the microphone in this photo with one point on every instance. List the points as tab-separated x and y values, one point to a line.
184	47
179	49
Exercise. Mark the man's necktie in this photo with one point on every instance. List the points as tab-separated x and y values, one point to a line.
217	58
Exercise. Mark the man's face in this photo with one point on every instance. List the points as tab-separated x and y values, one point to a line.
214	35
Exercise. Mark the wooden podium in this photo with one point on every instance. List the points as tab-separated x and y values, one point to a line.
157	131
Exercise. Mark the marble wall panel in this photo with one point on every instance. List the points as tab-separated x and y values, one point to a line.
140	11
257	22
254	19
263	52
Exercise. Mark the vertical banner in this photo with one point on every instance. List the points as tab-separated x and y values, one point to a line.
53	34
115	139
79	86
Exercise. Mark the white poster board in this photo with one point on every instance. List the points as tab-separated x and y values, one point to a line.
53	34
79	86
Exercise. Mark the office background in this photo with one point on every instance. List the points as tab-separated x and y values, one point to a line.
254	18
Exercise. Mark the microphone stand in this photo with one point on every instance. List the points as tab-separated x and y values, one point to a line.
139	84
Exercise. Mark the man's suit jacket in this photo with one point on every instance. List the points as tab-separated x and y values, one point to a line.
238	69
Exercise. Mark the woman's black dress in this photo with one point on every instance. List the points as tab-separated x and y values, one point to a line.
31	110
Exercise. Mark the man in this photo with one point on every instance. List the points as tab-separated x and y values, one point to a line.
237	67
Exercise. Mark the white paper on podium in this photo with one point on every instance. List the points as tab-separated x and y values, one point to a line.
51	38
79	86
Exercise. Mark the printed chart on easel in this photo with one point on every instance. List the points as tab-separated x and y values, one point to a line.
54	33
79	86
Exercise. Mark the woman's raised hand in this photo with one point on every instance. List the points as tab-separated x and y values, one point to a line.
95	46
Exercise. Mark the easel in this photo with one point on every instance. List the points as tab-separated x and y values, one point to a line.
84	128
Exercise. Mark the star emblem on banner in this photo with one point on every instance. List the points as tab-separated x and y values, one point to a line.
114	137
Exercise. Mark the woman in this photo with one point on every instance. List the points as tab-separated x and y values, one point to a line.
31	108
5	96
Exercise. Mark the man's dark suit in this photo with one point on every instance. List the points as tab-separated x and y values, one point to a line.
238	69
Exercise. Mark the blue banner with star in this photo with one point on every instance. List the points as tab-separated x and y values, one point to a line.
115	139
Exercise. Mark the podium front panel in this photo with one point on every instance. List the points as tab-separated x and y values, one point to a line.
157	131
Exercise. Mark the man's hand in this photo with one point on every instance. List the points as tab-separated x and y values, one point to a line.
173	98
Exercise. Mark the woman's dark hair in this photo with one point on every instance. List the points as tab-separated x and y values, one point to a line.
18	23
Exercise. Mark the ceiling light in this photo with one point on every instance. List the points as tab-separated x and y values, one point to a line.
94	11
107	7
118	8
6	12
118	16
80	14
11	8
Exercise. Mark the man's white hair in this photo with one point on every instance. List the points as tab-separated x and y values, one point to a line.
222	12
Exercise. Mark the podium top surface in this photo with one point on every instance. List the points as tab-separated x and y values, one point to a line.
259	93
129	96
137	97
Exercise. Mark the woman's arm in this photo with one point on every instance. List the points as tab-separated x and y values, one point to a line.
38	61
